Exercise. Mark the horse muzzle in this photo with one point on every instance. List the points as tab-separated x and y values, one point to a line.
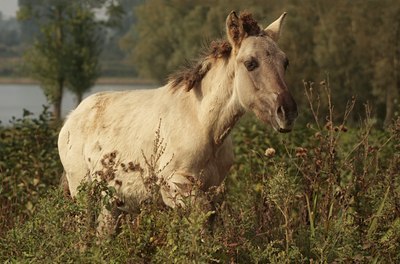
285	114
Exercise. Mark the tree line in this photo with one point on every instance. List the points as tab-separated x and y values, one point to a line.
355	45
65	53
67	44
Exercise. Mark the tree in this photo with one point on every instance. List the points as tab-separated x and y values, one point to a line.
27	20
66	51
157	36
385	63
46	58
169	32
82	65
298	42
357	43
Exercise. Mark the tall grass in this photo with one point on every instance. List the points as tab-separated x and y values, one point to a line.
328	192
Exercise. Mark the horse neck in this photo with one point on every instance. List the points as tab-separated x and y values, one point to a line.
220	107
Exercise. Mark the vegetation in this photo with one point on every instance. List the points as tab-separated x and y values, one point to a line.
356	42
29	165
9	46
66	52
328	192
83	67
16	36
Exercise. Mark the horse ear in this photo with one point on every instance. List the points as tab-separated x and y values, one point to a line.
234	30
274	29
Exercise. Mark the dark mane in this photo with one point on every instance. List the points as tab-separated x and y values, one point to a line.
192	73
250	25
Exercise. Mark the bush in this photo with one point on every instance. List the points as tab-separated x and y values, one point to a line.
29	164
327	192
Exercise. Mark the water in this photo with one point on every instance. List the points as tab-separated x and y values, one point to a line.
16	97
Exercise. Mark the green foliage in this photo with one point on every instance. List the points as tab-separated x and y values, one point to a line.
82	61
9	36
29	164
343	39
164	46
39	240
167	33
328	192
66	51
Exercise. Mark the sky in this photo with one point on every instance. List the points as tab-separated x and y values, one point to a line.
8	7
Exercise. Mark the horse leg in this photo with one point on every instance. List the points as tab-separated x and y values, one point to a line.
64	185
109	222
180	189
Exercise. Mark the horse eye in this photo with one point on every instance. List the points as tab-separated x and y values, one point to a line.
251	64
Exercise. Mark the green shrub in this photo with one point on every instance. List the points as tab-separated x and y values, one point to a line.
51	235
29	164
328	192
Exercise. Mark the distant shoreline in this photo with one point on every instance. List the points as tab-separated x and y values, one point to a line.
101	81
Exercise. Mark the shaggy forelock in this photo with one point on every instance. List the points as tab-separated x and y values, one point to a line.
191	75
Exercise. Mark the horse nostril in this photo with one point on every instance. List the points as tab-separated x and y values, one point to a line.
280	112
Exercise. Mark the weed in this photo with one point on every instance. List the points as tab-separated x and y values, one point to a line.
329	192
28	165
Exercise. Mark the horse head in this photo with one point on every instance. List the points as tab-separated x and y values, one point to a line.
260	67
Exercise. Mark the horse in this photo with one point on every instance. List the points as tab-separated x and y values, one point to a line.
182	128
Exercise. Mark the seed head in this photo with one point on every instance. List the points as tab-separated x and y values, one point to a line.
270	152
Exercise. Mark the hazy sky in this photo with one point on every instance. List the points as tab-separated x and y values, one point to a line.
8	7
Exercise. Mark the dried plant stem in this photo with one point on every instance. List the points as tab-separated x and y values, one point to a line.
308	88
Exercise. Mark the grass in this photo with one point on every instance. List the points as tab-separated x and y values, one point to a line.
329	192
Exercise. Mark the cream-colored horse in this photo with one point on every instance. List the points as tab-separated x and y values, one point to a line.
194	113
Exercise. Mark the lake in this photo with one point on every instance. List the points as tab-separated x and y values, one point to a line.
16	97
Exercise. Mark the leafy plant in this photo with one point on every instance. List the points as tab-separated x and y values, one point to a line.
29	164
328	192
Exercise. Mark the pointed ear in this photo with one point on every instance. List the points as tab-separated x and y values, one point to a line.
274	29
234	30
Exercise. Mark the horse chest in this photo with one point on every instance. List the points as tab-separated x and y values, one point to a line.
211	165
